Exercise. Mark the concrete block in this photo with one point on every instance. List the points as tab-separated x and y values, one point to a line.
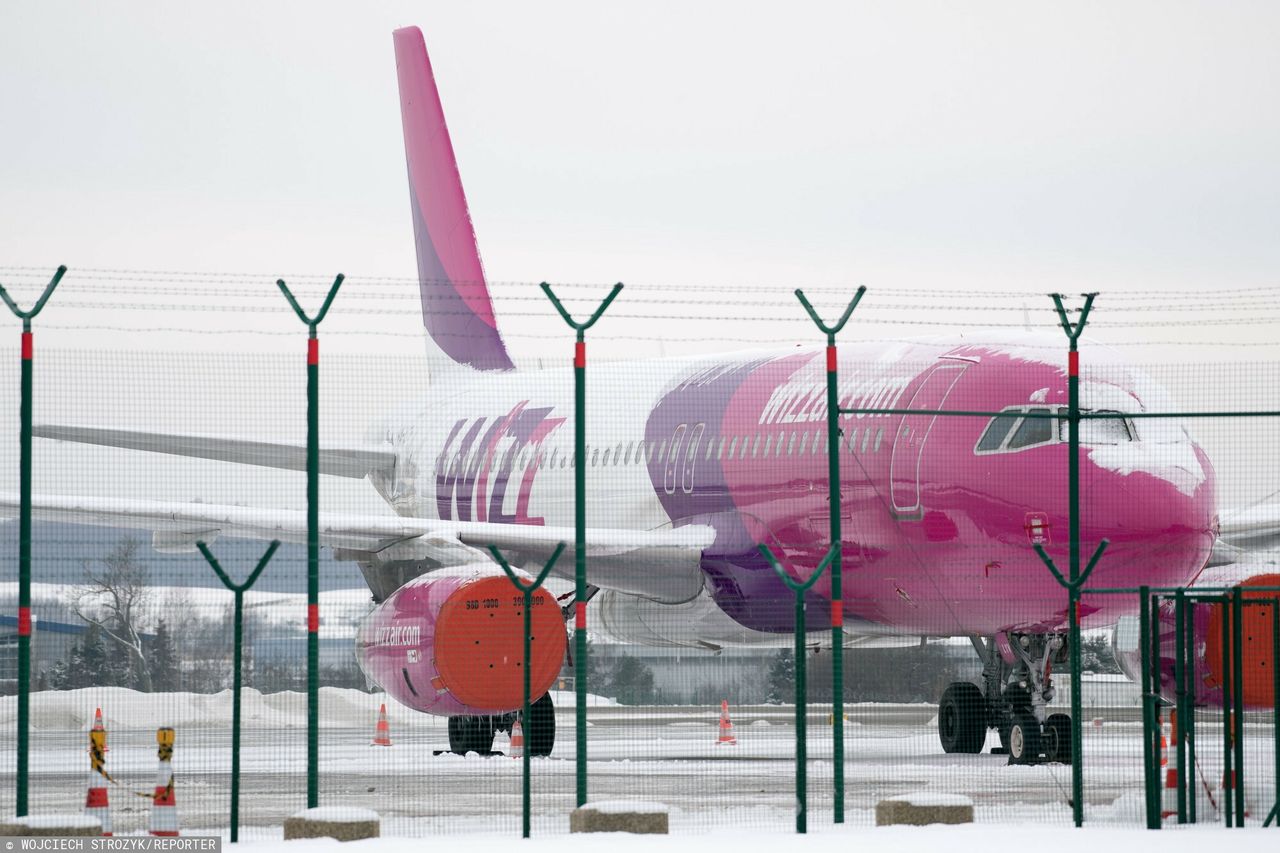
924	808
620	816
338	822
51	824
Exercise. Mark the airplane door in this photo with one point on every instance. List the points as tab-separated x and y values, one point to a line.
913	431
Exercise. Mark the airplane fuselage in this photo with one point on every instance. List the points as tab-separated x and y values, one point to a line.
937	533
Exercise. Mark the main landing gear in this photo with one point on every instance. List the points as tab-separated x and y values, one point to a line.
1014	700
475	734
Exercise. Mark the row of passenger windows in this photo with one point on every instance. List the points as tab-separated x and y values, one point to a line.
1013	430
757	446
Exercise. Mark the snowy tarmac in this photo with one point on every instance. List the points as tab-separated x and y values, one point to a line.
668	755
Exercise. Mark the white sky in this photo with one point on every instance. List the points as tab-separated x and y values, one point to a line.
1091	145
967	147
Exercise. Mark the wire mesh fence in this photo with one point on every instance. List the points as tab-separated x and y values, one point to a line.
691	461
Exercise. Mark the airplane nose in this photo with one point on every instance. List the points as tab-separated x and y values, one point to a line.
1156	505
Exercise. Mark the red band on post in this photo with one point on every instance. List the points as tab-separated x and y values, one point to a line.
580	618
580	354
28	345
313	618
831	359
313	350
1073	363
24	621
837	613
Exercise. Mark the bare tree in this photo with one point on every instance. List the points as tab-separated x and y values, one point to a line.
114	597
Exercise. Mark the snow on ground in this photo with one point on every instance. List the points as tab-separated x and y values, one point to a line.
665	755
972	838
122	708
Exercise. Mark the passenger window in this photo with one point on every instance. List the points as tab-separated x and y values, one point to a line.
866	438
595	457
804	442
768	442
1032	431
605	461
853	440
879	438
662	451
996	431
733	447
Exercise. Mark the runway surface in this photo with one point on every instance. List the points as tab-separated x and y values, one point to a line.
668	755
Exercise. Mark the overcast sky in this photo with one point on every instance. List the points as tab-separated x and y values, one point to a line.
1081	145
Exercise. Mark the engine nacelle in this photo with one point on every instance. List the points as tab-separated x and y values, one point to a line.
1209	676
451	642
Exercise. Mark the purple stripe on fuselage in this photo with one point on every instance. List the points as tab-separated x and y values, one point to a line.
690	482
462	334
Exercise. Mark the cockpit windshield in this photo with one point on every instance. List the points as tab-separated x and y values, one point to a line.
1022	427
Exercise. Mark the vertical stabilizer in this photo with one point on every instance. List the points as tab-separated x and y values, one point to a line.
456	309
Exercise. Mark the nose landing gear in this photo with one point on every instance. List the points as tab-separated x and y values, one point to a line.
1014	700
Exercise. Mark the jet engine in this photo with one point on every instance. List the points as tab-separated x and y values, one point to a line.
451	643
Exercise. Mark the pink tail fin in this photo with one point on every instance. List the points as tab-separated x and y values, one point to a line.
456	309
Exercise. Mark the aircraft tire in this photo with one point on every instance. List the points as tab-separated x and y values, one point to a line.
470	734
1057	738
962	718
1024	738
540	735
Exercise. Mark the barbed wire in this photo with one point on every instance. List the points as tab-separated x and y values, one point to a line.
162	276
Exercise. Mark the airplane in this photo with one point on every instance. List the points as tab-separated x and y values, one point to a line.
695	462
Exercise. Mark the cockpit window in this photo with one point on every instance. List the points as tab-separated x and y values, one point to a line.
1017	429
996	431
1032	431
1098	430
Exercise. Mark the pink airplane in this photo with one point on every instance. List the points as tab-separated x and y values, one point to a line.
691	465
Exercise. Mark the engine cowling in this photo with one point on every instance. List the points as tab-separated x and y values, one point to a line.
451	642
1209	675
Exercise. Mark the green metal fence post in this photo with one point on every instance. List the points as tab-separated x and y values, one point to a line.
580	524
1237	693
1150	762
238	590
1187	718
836	548
1180	682
1275	710
1228	812
801	699
313	535
527	591
24	537
1073	593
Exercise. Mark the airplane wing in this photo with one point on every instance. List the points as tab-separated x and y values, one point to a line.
341	462
663	565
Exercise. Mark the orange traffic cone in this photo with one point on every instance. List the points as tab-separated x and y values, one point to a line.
98	727
726	727
95	800
164	805
1169	760
382	731
517	740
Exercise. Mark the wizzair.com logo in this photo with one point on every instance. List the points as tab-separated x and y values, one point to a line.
480	459
397	635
